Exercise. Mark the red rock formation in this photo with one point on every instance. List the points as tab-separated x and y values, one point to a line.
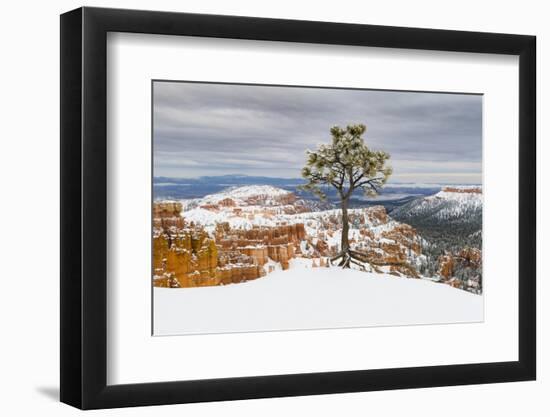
472	190
260	254
266	199
452	265
183	252
235	255
471	257
446	266
184	255
211	207
167	209
227	202
464	258
262	243
405	235
167	280
168	222
321	246
392	249
377	215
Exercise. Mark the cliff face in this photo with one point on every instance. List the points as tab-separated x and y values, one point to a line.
185	255
167	210
462	269
278	243
463	190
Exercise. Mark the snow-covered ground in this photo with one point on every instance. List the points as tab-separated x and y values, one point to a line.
312	298
473	199
241	194
443	205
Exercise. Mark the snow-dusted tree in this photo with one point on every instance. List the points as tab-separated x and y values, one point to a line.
346	164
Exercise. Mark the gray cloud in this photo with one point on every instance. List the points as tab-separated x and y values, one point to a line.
216	129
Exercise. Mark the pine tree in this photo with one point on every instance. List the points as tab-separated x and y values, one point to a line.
346	164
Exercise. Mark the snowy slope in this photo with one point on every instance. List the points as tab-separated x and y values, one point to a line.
306	298
249	216
240	195
258	205
445	205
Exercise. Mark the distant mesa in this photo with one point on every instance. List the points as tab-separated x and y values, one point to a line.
253	195
463	189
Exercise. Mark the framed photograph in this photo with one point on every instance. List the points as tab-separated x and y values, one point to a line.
258	208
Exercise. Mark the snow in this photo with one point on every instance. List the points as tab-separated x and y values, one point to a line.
250	216
316	223
302	262
468	198
312	298
269	213
443	205
461	203
253	190
272	265
241	194
209	219
308	297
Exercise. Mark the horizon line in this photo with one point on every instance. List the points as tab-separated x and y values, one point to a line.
298	178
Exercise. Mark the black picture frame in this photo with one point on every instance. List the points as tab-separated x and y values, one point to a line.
84	207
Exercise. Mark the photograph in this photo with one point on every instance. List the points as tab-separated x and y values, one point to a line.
278	208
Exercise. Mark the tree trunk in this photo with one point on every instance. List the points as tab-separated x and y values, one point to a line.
346	255
344	247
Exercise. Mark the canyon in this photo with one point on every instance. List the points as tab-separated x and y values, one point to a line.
246	233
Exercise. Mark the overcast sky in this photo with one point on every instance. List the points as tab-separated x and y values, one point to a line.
219	129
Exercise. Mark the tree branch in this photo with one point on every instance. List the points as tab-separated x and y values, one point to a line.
369	181
316	177
358	179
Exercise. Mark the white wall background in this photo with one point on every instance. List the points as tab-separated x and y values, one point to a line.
29	220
